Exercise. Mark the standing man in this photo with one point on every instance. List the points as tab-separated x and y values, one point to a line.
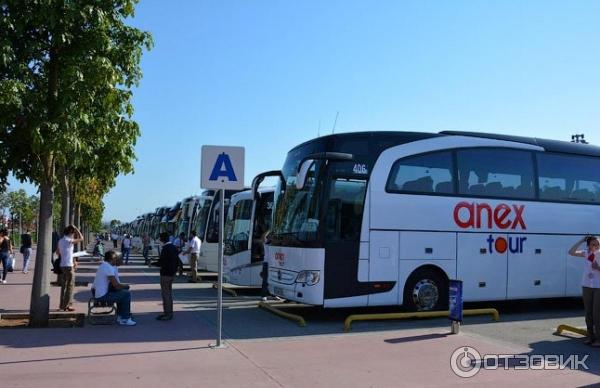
114	237
68	265
168	262
179	243
194	251
26	249
126	248
146	248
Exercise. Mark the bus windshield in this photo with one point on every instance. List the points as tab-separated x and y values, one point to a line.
237	227
298	212
201	217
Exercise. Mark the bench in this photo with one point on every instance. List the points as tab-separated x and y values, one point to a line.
101	312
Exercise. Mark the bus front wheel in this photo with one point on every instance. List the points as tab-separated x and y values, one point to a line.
426	290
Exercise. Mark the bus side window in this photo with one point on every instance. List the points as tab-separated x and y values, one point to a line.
496	172
426	173
568	178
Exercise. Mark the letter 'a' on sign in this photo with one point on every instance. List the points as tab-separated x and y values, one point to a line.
222	167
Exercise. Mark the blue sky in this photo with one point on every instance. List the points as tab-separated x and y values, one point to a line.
266	74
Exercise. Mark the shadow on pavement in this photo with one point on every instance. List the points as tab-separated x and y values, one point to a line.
185	327
96	356
424	337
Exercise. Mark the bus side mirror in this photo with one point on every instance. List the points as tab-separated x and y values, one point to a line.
303	172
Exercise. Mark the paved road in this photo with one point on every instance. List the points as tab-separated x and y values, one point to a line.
266	351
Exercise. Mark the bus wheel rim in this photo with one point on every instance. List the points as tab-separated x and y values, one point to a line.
425	294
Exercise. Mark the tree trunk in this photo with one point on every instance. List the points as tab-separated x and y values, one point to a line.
85	234
65	207
40	297
77	222
72	205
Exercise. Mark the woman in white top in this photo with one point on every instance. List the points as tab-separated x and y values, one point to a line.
591	286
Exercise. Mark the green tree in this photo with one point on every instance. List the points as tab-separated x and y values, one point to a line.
22	208
67	68
3	204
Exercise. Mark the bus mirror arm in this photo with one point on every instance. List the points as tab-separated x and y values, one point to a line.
260	177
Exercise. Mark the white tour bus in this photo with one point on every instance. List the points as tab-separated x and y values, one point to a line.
243	258
206	224
386	218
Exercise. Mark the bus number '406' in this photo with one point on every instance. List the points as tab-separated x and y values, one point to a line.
360	169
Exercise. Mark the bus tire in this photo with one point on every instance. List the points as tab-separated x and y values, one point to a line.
426	290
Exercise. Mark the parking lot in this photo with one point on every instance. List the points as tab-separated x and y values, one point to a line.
267	350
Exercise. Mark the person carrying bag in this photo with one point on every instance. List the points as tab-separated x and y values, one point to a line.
6	251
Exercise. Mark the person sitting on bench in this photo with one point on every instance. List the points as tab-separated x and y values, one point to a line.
108	288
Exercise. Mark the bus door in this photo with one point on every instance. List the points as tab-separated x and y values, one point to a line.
343	222
261	224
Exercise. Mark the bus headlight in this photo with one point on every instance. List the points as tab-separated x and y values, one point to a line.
309	278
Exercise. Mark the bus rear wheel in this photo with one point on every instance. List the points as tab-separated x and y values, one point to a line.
426	290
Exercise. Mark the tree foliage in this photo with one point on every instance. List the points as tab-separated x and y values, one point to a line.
67	69
22	207
66	73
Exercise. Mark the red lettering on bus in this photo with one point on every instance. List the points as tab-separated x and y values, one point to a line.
502	216
280	258
459	222
480	208
519	216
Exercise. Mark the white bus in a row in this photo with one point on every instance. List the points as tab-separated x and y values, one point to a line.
387	218
248	221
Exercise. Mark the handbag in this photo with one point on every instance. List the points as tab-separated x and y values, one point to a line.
56	266
22	249
10	264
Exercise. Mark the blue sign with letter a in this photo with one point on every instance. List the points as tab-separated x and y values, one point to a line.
455	300
223	168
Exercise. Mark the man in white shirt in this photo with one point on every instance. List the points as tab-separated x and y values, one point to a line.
179	243
108	288
194	251
126	248
68	265
114	237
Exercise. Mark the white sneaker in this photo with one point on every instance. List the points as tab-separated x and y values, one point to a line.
4	281
127	322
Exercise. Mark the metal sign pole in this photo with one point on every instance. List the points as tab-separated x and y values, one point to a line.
222	168
220	264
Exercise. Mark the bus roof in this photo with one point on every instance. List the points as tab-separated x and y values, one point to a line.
388	138
549	145
392	136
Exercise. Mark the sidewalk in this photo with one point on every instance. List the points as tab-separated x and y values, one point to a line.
176	353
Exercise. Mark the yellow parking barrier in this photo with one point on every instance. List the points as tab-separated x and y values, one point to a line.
572	329
293	317
228	290
472	312
417	314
